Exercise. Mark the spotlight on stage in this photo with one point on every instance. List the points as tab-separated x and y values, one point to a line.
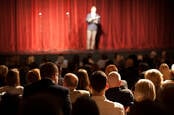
40	13
67	13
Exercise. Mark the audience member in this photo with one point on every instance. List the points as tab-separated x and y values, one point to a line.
99	86
164	57
145	96
165	70
130	71
116	93
11	93
3	74
151	59
88	63
156	77
172	67
166	96
102	62
119	60
12	86
84	82
31	62
172	72
110	68
9	104
142	68
46	96
84	105
60	60
32	76
71	82
74	63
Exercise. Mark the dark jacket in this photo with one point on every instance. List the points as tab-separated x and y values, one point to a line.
147	108
123	96
47	98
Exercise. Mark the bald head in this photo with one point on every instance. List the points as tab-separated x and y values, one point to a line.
114	79
70	80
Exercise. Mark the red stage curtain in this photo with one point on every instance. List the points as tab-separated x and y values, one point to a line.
59	25
7	26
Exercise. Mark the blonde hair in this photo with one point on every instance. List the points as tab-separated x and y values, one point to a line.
33	75
144	90
156	77
165	70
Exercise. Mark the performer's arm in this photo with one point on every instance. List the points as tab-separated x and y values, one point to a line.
88	18
97	19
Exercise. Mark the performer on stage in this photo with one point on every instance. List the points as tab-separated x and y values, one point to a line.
92	20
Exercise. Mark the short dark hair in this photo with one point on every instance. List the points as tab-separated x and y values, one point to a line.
98	80
84	105
13	78
48	69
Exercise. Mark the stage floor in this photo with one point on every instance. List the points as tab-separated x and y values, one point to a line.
20	57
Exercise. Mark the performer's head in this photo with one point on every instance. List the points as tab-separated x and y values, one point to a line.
93	9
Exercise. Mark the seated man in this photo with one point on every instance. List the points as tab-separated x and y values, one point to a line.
71	82
116	93
111	67
45	96
84	105
98	86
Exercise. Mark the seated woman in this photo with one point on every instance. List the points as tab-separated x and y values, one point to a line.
83	83
3	74
145	96
33	75
12	86
11	93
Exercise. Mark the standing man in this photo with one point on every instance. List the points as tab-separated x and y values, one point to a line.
92	20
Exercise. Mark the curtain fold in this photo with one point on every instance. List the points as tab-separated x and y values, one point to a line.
59	25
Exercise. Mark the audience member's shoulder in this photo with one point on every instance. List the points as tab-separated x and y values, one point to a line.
84	92
44	86
20	87
116	104
59	88
32	85
127	92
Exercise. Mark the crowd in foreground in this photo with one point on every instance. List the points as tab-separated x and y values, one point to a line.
135	85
